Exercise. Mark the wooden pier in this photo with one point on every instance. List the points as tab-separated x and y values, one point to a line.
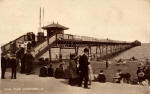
56	38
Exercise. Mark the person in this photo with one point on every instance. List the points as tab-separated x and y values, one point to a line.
33	40
127	77
3	66
83	68
59	72
13	47
19	57
29	60
147	61
23	63
146	71
14	64
73	70
67	73
60	57
133	58
117	76
91	75
101	77
134	81
50	71
43	71
140	76
138	70
29	46
107	64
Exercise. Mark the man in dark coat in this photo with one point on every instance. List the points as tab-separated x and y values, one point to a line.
50	71
3	66
83	68
23	63
13	66
28	61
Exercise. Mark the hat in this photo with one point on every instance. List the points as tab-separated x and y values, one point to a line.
86	50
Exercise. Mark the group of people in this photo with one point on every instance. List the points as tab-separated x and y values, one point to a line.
75	72
82	71
16	60
122	76
25	60
48	71
5	59
143	74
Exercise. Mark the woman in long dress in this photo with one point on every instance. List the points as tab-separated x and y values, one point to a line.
90	72
73	70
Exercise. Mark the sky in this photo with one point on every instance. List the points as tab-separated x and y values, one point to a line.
126	20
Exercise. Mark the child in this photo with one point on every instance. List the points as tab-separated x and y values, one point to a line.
101	77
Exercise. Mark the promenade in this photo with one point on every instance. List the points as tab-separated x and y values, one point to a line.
33	84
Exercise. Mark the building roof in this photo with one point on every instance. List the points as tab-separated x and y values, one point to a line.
55	25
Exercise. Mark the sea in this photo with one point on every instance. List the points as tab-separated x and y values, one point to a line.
139	52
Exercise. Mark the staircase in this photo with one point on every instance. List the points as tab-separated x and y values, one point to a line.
43	47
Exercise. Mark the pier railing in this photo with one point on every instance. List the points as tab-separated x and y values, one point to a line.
85	38
42	46
75	37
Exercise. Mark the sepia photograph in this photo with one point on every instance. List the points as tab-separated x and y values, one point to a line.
75	46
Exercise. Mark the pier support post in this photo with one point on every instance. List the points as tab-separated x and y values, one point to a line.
76	50
112	50
90	53
96	53
100	51
60	55
106	50
50	58
49	48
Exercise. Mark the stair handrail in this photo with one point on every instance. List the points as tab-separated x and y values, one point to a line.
42	46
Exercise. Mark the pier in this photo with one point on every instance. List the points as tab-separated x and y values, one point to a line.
56	38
